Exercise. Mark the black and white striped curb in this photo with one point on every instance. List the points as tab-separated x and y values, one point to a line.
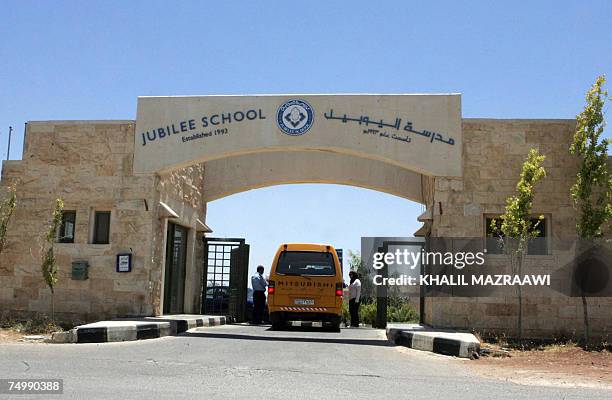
182	323
130	330
120	331
456	344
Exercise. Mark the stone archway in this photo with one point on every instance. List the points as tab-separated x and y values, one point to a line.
394	144
233	175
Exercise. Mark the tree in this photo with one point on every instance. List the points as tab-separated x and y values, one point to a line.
517	228
7	207
49	263
592	192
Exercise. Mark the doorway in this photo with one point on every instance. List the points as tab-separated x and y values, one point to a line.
176	261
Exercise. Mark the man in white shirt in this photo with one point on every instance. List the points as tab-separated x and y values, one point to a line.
354	298
259	284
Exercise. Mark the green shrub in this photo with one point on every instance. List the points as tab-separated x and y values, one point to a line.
397	312
402	313
345	313
367	313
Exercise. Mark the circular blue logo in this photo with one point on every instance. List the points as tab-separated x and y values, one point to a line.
295	117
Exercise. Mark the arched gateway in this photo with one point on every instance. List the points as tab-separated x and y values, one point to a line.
421	133
136	191
389	143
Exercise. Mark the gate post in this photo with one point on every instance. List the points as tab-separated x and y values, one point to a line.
381	296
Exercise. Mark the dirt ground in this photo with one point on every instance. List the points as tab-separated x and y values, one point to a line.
8	335
560	365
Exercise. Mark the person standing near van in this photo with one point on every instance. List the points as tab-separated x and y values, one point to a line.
259	284
354	298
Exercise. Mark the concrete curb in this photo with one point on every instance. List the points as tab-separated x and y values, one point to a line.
63	337
120	331
180	324
457	344
135	329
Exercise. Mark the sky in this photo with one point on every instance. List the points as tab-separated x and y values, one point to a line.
90	60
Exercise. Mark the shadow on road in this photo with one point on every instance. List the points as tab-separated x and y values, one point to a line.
259	337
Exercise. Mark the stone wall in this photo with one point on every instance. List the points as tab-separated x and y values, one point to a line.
493	153
89	165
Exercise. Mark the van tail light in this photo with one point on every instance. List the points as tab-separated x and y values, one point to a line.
338	289
271	287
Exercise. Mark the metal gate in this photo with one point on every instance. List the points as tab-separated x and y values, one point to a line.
224	287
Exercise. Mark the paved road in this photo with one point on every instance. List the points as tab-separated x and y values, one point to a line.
246	362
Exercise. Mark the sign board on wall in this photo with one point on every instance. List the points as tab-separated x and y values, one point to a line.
417	132
124	262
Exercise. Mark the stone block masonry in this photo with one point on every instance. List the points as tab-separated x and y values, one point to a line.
493	153
89	165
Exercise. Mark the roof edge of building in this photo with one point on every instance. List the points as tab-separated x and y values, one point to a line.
549	120
83	122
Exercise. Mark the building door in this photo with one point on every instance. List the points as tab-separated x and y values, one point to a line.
226	267
176	257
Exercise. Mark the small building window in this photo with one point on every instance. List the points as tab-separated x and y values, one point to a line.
66	232
537	245
101	231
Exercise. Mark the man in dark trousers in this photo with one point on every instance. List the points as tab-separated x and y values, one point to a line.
259	284
354	298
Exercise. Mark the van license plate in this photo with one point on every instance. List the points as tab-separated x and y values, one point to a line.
304	302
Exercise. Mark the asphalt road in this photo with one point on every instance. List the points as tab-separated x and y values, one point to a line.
247	362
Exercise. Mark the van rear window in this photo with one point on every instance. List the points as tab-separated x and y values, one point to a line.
309	263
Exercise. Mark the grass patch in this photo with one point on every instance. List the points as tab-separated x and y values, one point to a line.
549	345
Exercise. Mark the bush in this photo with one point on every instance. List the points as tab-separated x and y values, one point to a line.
397	312
402	313
345	313
41	325
367	313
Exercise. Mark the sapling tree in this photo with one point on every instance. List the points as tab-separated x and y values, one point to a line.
592	192
516	226
48	262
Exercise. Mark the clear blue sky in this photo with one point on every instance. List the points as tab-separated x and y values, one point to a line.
90	60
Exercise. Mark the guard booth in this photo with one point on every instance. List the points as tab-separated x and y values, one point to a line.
225	273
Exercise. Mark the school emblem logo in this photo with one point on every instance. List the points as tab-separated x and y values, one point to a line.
295	117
